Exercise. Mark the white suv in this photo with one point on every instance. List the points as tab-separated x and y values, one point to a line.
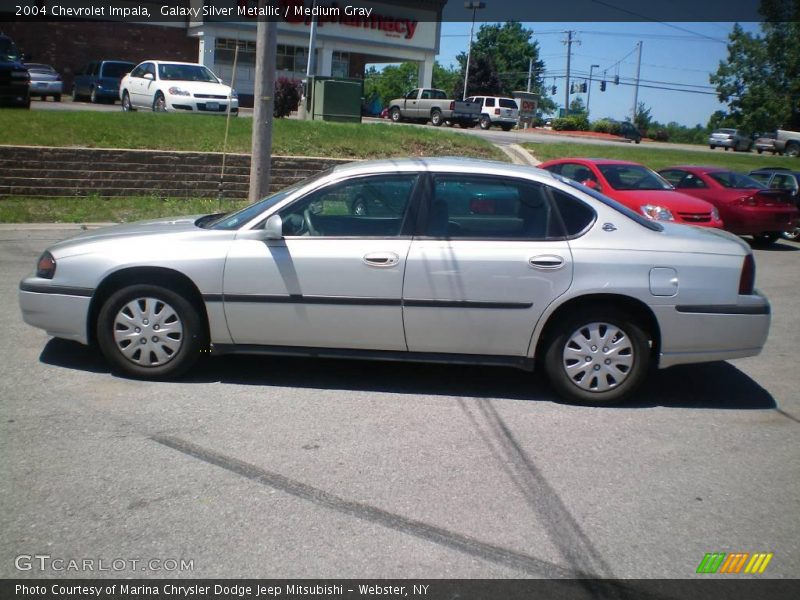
497	111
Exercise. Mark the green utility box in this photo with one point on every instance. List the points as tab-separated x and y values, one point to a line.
337	99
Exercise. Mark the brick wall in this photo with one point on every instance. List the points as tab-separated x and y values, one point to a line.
69	45
33	171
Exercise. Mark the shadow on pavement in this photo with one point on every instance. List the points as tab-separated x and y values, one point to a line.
709	385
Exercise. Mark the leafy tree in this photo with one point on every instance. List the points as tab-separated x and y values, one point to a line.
391	82
482	78
577	106
760	80
446	78
643	117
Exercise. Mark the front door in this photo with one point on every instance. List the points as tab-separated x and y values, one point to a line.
490	259
335	280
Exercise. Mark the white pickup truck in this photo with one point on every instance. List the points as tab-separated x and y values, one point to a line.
787	142
428	104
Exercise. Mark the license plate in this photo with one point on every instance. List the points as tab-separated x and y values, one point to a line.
212	105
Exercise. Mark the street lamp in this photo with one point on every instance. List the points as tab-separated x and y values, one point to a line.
589	95
475	6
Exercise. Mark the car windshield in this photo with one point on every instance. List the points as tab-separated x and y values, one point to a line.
633	177
735	181
117	70
8	51
725	131
235	220
169	72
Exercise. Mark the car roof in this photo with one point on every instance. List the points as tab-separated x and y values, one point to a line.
595	161
440	164
173	62
700	168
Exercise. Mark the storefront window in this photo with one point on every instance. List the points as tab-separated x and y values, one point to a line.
224	49
340	65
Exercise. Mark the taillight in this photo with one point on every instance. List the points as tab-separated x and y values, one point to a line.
748	278
46	267
497	111
749	200
452	105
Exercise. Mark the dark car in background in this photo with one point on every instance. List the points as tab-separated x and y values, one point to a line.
629	131
785	179
45	81
14	77
99	80
747	207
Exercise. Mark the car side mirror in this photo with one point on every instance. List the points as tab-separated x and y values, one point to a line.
592	184
148	76
273	228
26	56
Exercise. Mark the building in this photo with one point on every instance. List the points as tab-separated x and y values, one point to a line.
350	36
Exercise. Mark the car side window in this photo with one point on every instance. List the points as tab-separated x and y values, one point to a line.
150	68
412	95
576	215
490	209
489	102
426	95
577	172
783	182
362	207
760	177
138	71
683	180
95	69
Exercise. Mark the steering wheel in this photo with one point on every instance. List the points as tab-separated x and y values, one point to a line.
309	226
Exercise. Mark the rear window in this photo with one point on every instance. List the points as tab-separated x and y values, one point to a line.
640	219
507	103
735	181
117	70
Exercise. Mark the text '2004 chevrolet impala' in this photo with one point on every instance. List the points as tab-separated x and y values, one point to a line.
443	260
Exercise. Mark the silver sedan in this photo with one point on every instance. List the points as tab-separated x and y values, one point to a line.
445	260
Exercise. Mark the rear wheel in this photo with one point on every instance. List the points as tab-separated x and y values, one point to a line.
792	234
75	95
436	117
57	98
792	149
712	147
506	127
600	356
150	332
485	122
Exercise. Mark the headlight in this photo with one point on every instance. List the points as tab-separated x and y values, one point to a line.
176	91
234	94
715	214
656	213
46	267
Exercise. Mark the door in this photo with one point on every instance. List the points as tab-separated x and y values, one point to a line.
412	105
491	257
142	85
335	280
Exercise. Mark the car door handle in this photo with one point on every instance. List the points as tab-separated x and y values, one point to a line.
546	262
381	259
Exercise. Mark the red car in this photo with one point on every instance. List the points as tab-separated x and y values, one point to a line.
638	188
747	206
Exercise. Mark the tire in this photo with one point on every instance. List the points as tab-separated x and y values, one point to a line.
726	148
506	127
766	239
75	95
572	345
793	234
57	98
639	141
159	103
436	118
485	122
395	115
154	355
126	102
792	150
93	96
760	151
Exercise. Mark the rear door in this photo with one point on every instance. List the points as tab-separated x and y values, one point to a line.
489	258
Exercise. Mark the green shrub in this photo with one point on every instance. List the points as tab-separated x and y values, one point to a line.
571	123
287	96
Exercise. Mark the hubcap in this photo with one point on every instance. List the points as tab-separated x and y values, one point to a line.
598	357
148	332
161	105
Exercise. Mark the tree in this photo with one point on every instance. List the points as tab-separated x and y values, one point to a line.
643	117
577	106
391	82
509	46
482	78
760	80
447	79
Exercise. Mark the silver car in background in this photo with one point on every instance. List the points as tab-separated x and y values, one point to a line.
466	262
45	81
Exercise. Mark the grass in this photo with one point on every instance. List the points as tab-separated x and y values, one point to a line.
659	158
94	209
143	130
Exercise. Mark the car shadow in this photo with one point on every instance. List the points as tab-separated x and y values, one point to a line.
717	385
779	246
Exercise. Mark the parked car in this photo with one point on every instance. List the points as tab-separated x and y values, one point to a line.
45	81
562	276
638	188
428	104
730	138
14	77
497	111
629	131
782	179
176	87
787	142
99	80
746	206
766	143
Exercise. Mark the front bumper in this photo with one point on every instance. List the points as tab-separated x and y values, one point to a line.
696	333
721	143
210	106
61	311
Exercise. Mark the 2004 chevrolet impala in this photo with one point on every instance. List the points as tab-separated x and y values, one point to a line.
446	260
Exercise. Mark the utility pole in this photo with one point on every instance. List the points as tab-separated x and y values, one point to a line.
569	58
263	105
636	87
530	71
589	95
474	6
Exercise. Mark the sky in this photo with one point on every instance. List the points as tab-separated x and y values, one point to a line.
672	54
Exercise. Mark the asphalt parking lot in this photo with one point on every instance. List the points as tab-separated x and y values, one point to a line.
260	467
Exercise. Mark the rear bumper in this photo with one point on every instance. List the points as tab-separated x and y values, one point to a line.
756	220
48	88
61	312
695	333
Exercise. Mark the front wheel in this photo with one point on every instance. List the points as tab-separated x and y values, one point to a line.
93	96
766	239
598	357
126	102
395	115
150	332
159	103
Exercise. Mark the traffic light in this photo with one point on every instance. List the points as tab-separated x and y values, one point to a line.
603	86
583	87
616	79
554	89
